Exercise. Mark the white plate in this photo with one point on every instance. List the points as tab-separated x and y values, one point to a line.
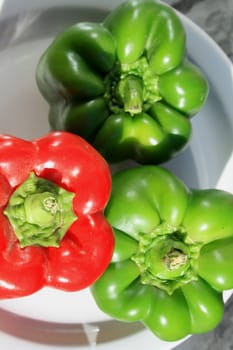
50	316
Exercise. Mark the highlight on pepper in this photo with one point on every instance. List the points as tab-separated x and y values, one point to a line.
173	253
53	233
131	96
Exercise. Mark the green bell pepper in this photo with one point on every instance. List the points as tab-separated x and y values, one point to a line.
173	253
126	84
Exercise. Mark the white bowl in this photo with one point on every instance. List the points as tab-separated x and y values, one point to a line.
27	27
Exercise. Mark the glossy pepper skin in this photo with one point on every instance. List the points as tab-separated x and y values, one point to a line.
173	253
52	229
126	84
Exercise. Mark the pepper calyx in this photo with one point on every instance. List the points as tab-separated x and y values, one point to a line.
40	212
166	258
131	88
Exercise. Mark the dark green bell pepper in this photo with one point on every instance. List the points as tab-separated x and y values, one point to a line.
173	253
125	85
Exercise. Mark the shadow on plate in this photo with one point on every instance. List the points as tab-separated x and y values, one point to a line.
59	334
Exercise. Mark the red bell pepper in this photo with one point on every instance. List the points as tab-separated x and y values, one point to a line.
52	229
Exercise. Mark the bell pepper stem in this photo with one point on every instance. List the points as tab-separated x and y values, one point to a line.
131	93
165	259
40	212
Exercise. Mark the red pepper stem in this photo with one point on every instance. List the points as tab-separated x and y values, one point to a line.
40	212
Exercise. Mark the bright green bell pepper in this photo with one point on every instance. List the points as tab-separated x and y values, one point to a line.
126	84
173	253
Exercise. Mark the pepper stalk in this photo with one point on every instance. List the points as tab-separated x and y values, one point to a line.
166	259
40	212
131	88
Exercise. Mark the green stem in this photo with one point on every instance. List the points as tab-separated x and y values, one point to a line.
131	94
168	258
131	88
40	212
165	259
